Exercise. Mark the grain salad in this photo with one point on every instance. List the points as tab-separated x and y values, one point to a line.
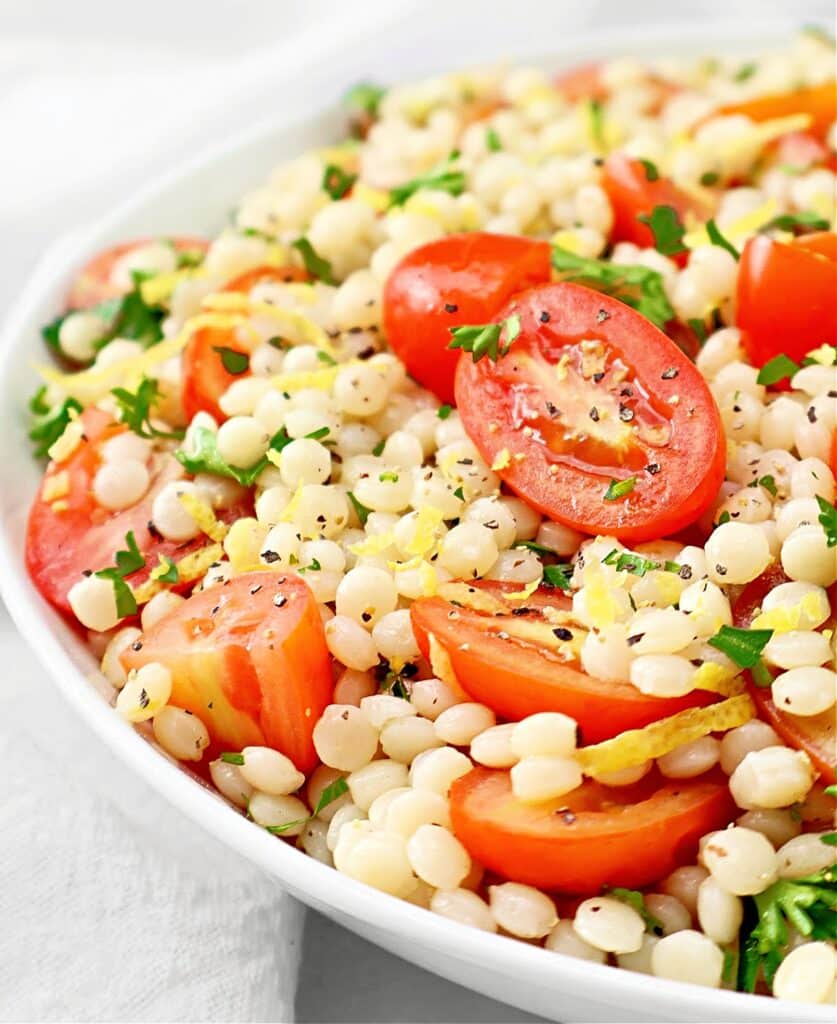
463	511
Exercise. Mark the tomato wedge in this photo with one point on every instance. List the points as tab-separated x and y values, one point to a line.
250	659
593	837
205	378
817	734
592	392
93	285
516	665
585	82
632	196
769	272
70	534
460	279
818	101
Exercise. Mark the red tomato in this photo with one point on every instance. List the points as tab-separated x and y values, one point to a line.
632	195
593	837
814	734
250	659
582	83
205	378
819	101
512	663
590	392
460	279
93	285
769	272
834	453
71	534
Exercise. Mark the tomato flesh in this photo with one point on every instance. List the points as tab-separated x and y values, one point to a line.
589	392
819	102
93	285
815	734
769	272
499	662
205	378
592	837
460	279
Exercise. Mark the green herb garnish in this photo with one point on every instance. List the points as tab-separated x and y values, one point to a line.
443	178
557	576
699	327
667	228
444	411
484	339
745	72
314	263
361	510
709	178
51	423
828	521
337	182
492	141
129	560
636	900
776	369
232	758
235	362
205	457
807	220
651	172
364	98
741	646
133	408
617	489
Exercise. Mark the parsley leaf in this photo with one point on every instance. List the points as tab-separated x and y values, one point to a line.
557	576
745	72
127	561
617	489
337	182
205	457
637	565
330	794
230	757
364	98
742	646
651	172
131	559
443	178
171	574
361	510
768	482
492	141
709	178
716	238
828	520
379	447
128	316
51	424
667	229
444	411
636	900
539	549
314	263
699	327
235	362
638	287
134	409
484	339
595	111
776	369
806	220
325	358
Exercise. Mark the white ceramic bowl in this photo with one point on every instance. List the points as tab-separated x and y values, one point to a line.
194	200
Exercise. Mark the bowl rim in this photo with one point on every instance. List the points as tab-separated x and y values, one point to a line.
306	878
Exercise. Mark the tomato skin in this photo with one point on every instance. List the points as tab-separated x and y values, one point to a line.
629	836
517	680
93	284
582	83
255	673
769	272
61	545
803	151
814	734
819	101
476	273
496	400
632	195
205	378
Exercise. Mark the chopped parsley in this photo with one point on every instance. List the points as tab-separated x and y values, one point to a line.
617	489
325	358
361	510
484	339
807	220
443	178
595	112
716	238
128	561
128	316
444	411
314	263
492	141
557	576
459	493
388	477
828	521
539	549
205	457
636	900
667	228
50	423
651	172
741	646
768	482
133	408
337	182
171	574
638	287
745	72
776	369
709	178
364	98
637	565
232	758
235	362
379	447
328	796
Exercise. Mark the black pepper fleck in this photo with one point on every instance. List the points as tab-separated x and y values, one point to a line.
670	373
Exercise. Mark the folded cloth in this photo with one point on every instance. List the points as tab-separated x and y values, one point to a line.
113	905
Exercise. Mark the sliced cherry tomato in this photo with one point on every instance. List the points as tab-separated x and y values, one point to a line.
834	453
769	272
460	279
818	101
589	392
71	533
250	659
592	837
814	734
93	285
582	83
632	195
205	378
514	663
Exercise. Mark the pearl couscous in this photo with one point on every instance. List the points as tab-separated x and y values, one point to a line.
464	511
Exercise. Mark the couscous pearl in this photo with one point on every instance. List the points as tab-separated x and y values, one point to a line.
416	807
807	556
381	708
344	738
719	912
229	781
393	635
437	770
806	974
609	925
684	884
522	910
313	841
321	779
342	817
93	602
742	861
377	858
805	855
688	956
352	686
350	643
359	391
304	461
242	441
772	777
543	777
272	811
564	939
78	334
280	547
548	732
640	961
119	485
464	907
180	733
461	723
493	749
366	594
812	477
169	515
112	667
126	445
672	915
736	553
403	739
430	697
690	759
269	771
494	516
737	743
662	675
805	691
146	690
807	600
797	649
468	550
777	824
369	782
437	857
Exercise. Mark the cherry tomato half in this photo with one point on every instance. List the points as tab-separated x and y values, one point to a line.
205	378
592	837
786	296
515	664
93	285
250	659
460	279
815	734
591	392
818	101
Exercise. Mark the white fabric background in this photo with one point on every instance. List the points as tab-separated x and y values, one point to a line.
112	906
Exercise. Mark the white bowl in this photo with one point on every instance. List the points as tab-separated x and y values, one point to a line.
195	199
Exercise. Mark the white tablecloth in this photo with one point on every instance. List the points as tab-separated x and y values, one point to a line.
112	906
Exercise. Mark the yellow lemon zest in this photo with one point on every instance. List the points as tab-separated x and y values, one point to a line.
189	568
203	515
